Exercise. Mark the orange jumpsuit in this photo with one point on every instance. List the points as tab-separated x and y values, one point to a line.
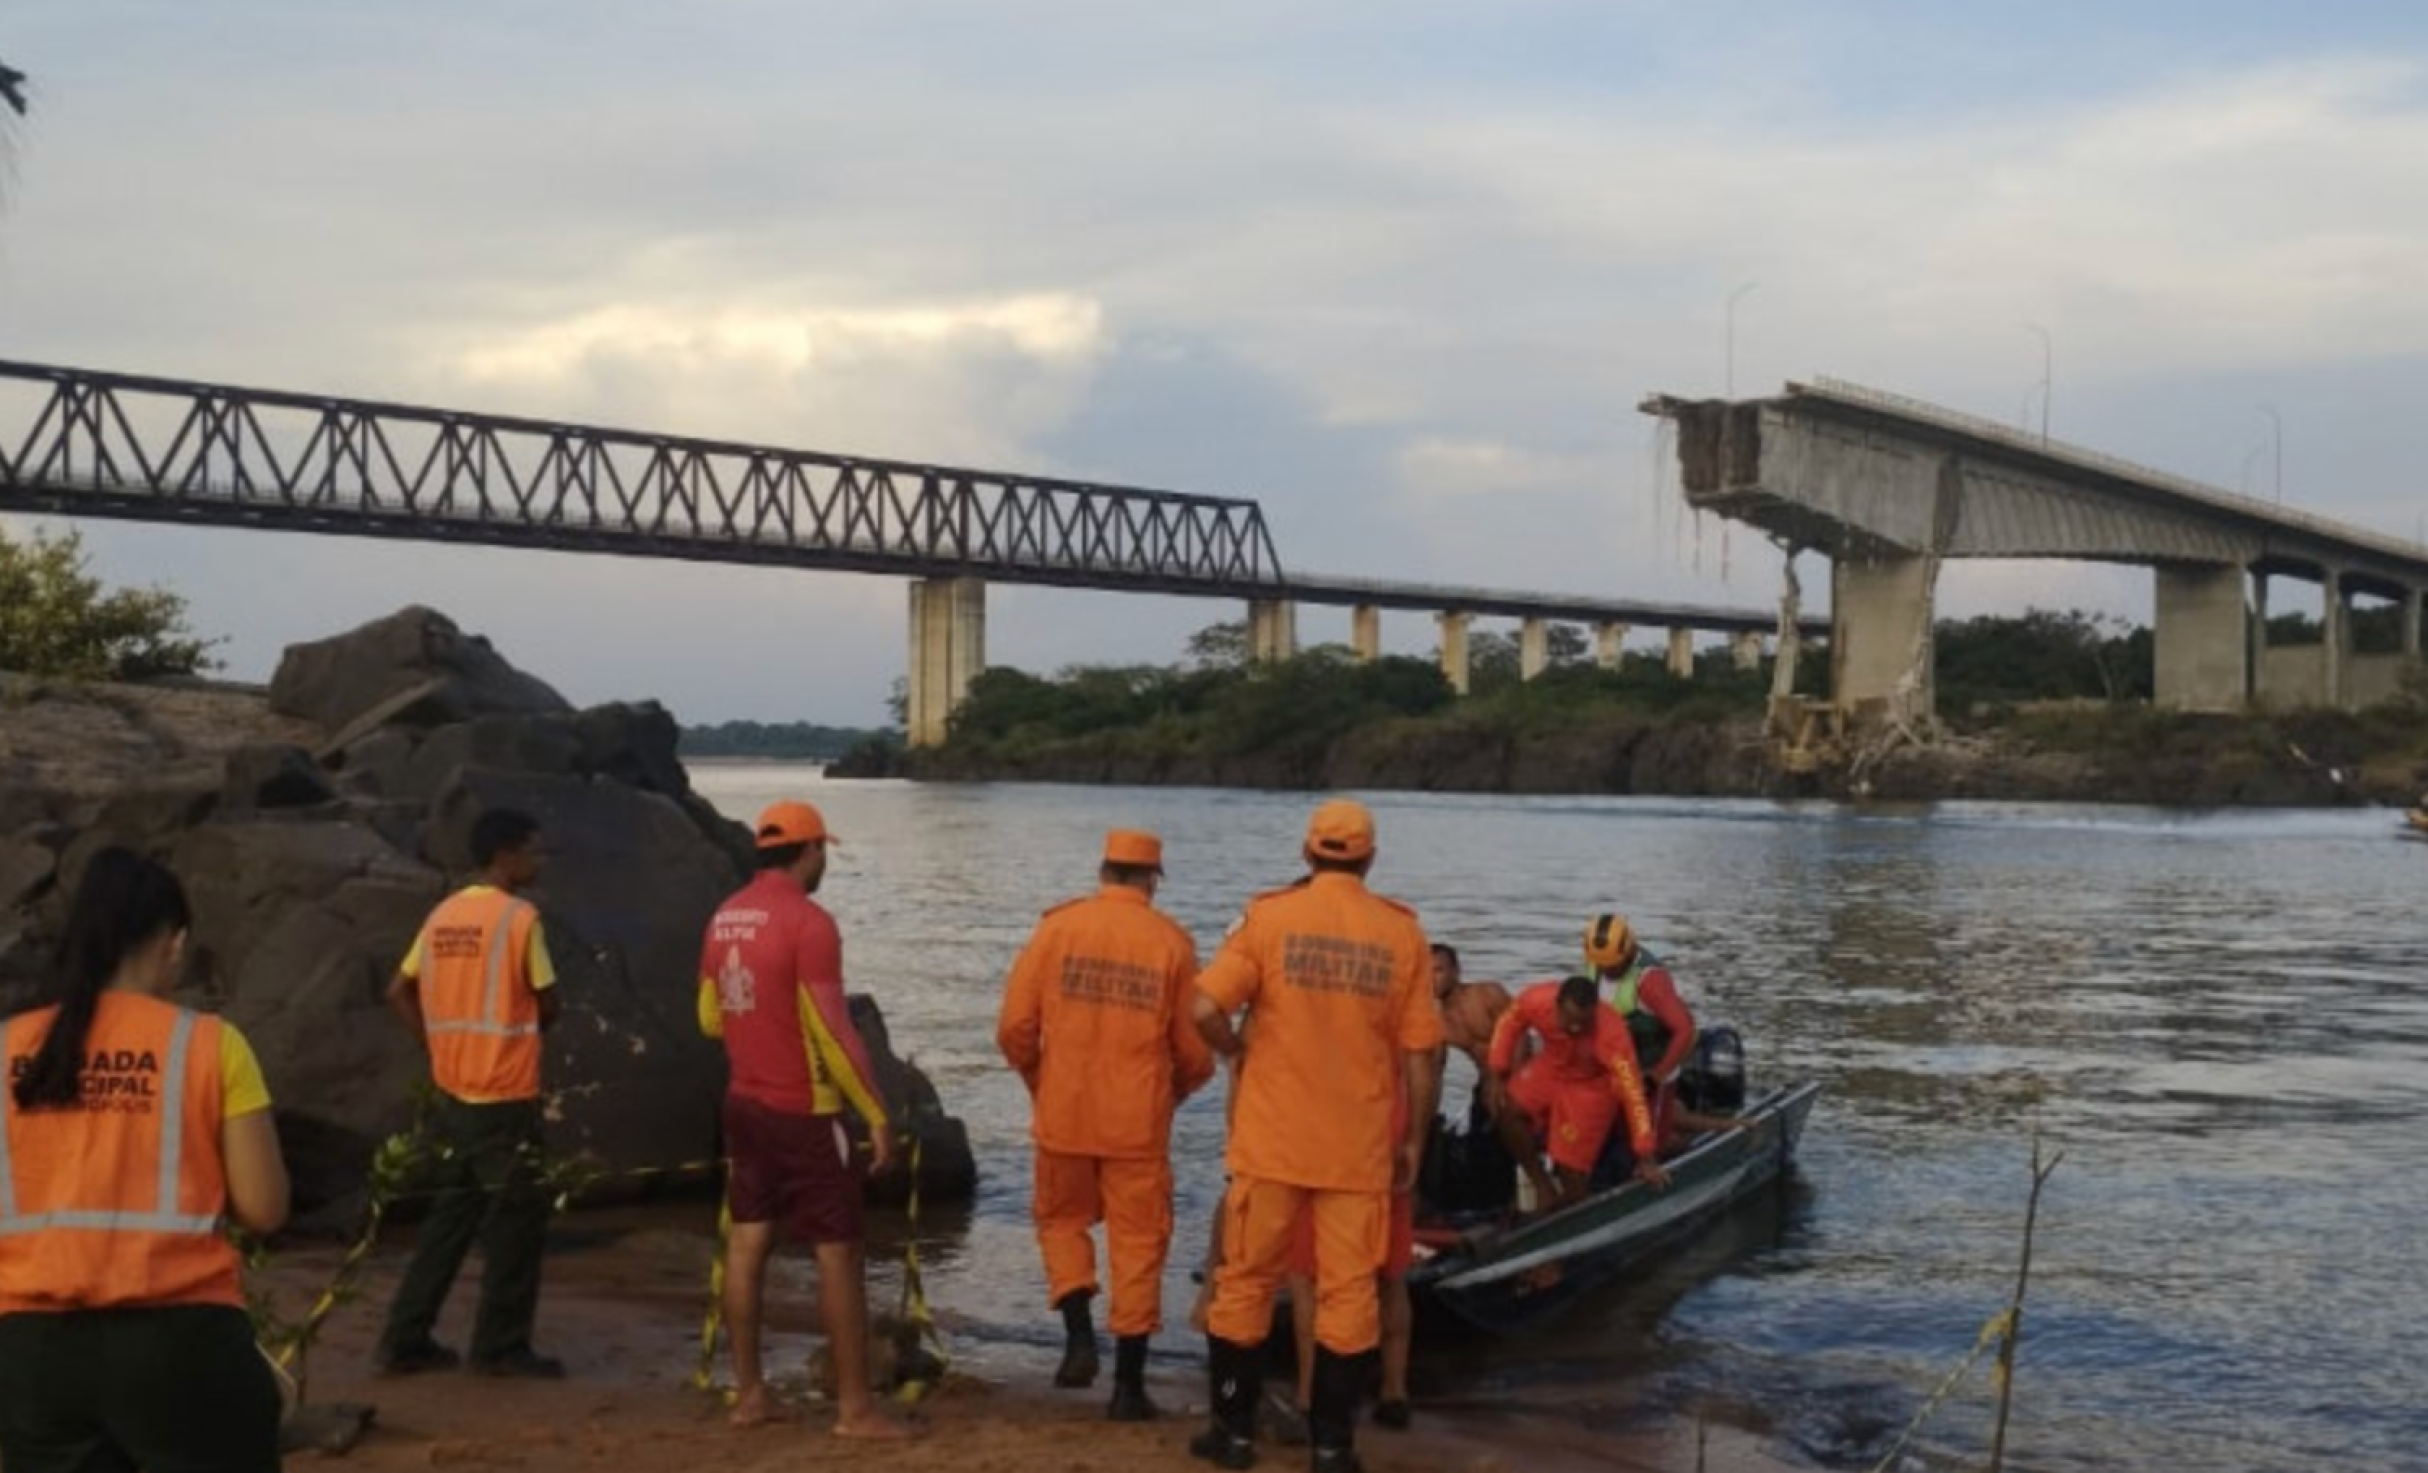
1096	1020
1574	1088
1340	983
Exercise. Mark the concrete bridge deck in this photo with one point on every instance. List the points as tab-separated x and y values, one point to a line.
1889	487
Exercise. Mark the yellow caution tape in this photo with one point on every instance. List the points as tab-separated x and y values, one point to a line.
1993	1329
705	1378
915	1387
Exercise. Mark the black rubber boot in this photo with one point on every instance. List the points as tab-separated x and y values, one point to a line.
1078	1368
1236	1376
1340	1383
1130	1401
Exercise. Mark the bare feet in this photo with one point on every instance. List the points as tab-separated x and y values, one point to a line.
757	1408
872	1425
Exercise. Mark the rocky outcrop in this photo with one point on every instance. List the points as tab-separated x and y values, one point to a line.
412	669
315	833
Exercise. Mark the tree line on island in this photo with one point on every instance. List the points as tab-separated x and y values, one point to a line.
2042	680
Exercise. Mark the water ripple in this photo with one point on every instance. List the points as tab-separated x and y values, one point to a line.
2218	1017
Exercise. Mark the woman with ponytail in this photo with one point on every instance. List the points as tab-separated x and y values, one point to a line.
131	1130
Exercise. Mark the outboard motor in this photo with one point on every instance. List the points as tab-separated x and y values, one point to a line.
1713	1081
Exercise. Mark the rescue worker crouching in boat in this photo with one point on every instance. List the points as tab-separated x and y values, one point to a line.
1566	1098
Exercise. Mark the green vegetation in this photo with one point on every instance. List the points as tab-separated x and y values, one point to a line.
782	741
1995	661
1288	715
2050	705
56	619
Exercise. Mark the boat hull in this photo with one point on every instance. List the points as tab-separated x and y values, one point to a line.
1519	1278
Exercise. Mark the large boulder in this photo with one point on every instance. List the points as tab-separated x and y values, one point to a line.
948	1169
413	667
297	929
313	847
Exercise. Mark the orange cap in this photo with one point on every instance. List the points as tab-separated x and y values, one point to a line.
791	823
1134	846
1341	829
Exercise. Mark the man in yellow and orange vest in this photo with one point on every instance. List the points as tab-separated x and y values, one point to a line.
479	987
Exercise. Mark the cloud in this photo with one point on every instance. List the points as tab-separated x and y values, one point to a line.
1400	272
1432	466
953	381
1049	330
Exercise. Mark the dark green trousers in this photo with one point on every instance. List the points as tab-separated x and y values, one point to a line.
174	1390
487	1179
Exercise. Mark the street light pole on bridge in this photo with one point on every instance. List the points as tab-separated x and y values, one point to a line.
2276	427
1729	382
2048	377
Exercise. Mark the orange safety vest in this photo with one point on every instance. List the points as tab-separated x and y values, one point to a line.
478	1008
118	1202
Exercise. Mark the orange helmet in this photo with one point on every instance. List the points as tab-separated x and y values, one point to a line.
1610	943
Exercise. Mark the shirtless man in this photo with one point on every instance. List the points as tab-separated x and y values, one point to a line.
1470	1010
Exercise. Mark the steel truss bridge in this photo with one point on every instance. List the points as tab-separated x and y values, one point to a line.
81	443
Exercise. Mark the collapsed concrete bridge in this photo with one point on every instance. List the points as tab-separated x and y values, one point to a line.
1889	488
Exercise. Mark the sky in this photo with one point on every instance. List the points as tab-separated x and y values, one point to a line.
1399	271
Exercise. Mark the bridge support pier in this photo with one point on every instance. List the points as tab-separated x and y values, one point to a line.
1272	630
2336	645
1454	648
1682	653
2199	645
2415	604
1534	647
947	650
1880	635
1745	648
1607	640
2259	639
1366	633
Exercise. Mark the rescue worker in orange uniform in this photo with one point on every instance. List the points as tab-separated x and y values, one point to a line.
1566	1098
478	985
1096	1019
130	1131
1338	981
771	987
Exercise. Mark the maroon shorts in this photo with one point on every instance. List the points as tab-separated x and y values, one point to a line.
792	1170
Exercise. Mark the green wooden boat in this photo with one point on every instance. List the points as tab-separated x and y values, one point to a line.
1516	1277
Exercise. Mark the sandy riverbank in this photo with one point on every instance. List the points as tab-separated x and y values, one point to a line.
622	1308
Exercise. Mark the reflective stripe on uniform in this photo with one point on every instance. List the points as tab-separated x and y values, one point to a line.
172	1122
491	1023
493	993
8	1176
111	1222
164	1218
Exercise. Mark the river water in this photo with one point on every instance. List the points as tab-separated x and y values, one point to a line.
2219	1019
